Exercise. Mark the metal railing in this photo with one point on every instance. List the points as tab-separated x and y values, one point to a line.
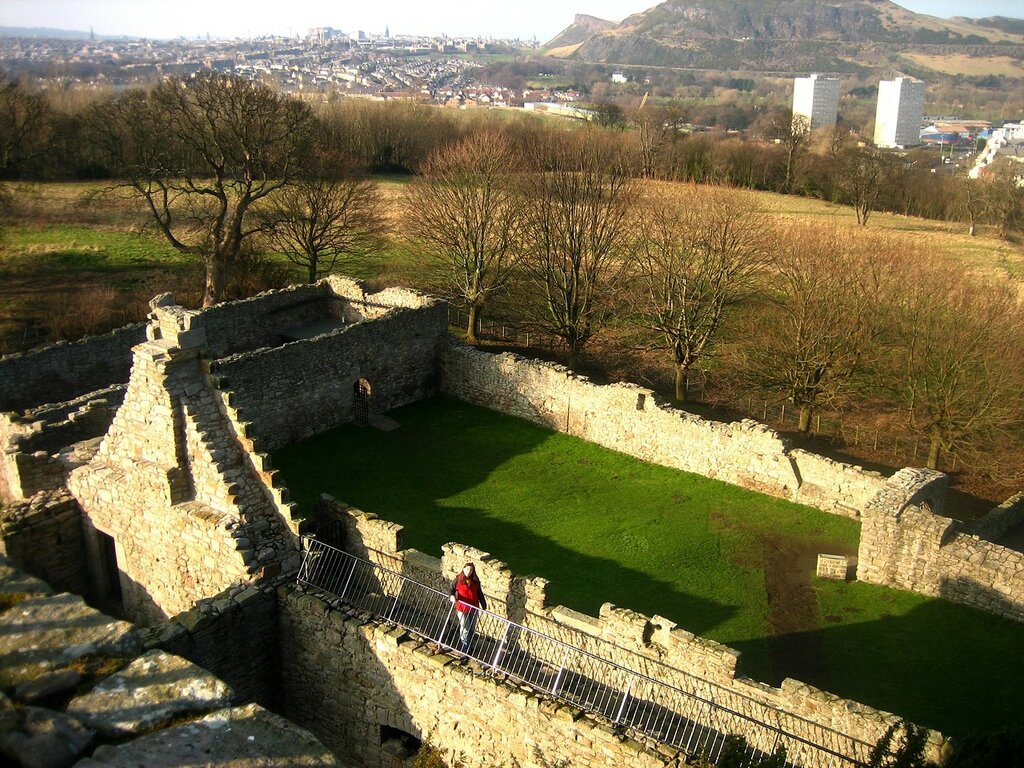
687	721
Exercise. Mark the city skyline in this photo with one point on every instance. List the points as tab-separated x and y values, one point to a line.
524	20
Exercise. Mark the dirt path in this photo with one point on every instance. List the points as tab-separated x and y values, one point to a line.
796	648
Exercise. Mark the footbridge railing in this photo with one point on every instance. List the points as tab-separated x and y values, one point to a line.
694	723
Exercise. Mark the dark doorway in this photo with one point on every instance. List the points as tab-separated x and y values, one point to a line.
361	414
110	575
398	747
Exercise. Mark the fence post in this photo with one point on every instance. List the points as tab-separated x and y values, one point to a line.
348	580
561	671
501	647
625	698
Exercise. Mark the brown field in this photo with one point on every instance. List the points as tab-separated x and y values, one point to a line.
962	64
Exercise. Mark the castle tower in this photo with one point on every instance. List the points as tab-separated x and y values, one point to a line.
899	112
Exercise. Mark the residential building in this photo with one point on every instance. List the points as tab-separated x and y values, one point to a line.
899	112
816	98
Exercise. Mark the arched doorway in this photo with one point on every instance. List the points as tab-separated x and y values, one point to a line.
361	408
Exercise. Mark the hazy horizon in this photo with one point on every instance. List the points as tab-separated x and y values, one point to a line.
525	20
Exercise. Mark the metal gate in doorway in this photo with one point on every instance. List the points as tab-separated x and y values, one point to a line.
361	408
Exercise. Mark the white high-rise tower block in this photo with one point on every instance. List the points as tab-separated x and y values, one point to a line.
898	117
817	99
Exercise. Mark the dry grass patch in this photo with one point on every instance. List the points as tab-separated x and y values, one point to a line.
964	64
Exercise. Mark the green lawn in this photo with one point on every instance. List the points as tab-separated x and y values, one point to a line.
605	527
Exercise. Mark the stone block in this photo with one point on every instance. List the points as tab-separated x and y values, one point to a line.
151	691
832	567
43	738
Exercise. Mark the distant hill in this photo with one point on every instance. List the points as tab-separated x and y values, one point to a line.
1010	26
582	27
791	35
55	34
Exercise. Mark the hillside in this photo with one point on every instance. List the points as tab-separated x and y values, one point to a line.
582	27
792	35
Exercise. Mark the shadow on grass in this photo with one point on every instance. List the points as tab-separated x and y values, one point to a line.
359	467
935	663
927	660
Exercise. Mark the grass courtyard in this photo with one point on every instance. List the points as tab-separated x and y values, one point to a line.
722	562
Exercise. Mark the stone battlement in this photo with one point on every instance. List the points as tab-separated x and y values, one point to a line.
651	645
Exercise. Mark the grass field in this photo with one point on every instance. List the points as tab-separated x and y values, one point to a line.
605	527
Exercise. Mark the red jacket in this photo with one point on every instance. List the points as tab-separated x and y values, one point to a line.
468	593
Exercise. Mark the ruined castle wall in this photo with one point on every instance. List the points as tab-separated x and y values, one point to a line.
178	532
260	321
627	418
28	442
305	387
234	636
63	371
905	544
998	522
345	678
43	536
652	646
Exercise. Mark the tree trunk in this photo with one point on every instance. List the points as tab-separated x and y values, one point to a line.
471	326
934	450
805	419
574	355
215	279
682	379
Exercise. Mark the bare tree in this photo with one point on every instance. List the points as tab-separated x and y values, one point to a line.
793	132
656	127
577	214
699	253
959	363
821	320
464	207
972	202
316	221
861	174
201	152
24	119
1004	197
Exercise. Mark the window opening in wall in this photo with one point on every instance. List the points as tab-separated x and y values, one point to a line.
362	403
398	744
110	588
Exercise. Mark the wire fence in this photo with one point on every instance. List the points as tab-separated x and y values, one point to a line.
697	725
901	449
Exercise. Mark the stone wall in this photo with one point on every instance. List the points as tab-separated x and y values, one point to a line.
264	320
43	536
62	371
348	680
79	690
653	646
906	543
1007	517
293	391
30	441
628	418
234	636
179	485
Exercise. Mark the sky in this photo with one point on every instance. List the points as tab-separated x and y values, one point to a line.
250	18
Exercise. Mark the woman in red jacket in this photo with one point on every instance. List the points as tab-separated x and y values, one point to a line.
467	596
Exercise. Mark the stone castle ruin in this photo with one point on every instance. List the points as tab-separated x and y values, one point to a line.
136	471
